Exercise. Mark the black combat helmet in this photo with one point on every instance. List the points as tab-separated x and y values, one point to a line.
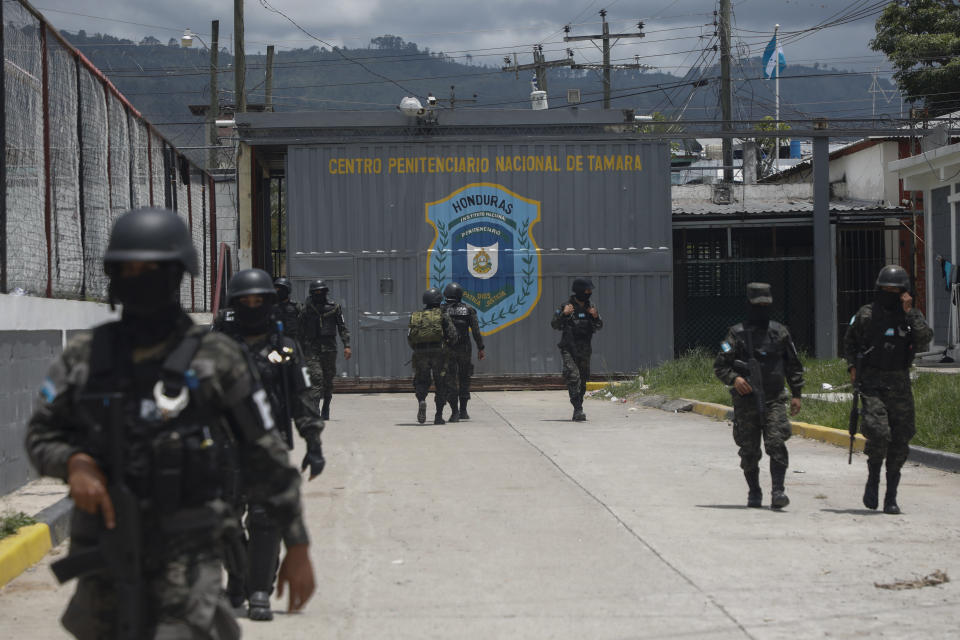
893	275
250	282
453	292
432	297
151	235
319	286
582	284
282	283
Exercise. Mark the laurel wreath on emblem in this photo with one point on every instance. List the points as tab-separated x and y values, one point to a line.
440	255
526	285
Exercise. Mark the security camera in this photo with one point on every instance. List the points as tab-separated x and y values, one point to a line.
411	107
431	100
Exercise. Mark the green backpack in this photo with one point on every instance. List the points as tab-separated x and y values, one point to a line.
426	327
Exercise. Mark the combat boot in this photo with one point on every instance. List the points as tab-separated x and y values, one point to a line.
260	606
325	409
890	498
463	410
454	413
755	494
578	414
438	417
872	490
778	498
422	412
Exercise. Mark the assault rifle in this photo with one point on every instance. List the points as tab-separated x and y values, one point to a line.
855	409
119	550
284	363
751	369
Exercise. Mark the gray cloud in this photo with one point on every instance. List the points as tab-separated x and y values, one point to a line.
491	28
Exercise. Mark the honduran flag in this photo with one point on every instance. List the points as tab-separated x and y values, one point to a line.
773	64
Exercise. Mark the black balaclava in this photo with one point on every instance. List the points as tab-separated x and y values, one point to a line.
283	294
151	305
888	300
319	297
758	315
253	321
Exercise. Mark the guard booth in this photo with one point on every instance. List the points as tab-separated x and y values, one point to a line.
512	205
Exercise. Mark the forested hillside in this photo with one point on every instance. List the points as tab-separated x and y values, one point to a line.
163	79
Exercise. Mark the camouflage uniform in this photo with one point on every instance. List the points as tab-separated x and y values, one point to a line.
778	362
287	387
289	312
319	328
887	418
432	361
575	348
181	566
460	362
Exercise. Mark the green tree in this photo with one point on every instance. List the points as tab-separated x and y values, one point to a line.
922	40
769	146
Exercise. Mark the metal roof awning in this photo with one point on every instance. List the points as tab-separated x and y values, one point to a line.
702	214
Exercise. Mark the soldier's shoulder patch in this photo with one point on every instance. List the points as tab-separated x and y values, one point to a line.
853	319
49	390
725	346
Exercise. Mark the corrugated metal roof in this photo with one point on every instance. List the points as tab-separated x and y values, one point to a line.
777	208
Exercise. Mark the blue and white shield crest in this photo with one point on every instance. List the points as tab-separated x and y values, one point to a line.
484	243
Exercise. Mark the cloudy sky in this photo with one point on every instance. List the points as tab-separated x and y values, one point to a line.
677	30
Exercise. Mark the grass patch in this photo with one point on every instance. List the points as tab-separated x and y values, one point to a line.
10	523
937	396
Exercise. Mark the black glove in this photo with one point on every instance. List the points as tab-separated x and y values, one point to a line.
313	458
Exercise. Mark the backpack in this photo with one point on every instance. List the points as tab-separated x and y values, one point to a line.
426	327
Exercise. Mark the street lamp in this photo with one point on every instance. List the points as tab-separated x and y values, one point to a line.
186	41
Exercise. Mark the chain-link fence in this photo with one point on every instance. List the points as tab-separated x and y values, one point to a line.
710	295
77	156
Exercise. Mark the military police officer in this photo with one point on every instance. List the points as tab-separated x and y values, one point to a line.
280	365
460	361
321	321
879	346
755	359
430	334
578	319
141	406
287	310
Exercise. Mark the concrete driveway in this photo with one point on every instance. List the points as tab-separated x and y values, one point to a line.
522	524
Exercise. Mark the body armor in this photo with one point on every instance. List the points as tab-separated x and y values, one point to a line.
891	341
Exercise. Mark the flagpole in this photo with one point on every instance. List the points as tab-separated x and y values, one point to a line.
776	91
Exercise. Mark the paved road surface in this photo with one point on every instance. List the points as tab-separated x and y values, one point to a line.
521	524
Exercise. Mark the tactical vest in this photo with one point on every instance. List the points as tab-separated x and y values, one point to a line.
890	341
460	316
324	320
173	451
768	349
290	316
426	329
282	375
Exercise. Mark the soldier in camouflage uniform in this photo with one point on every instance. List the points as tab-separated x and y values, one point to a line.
430	359
769	342
879	346
464	319
288	311
320	323
279	364
578	319
183	391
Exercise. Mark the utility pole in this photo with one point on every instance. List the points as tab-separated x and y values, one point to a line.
268	100
453	99
214	111
540	65
726	89
605	37
239	59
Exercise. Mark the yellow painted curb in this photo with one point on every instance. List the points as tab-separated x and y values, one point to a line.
22	550
593	386
839	437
